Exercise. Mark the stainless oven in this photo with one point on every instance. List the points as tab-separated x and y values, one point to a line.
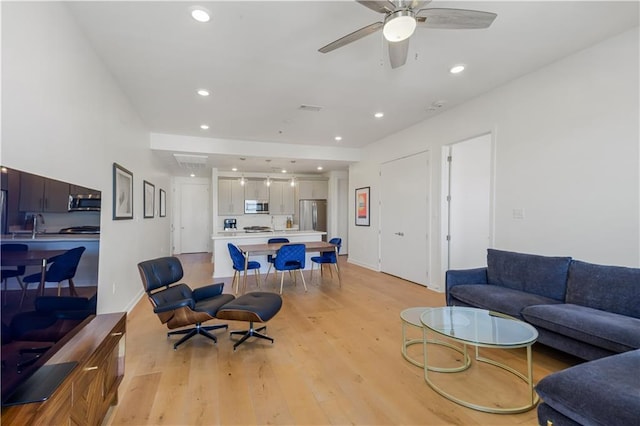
256	206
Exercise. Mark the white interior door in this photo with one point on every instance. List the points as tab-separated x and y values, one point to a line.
469	203
194	217
404	211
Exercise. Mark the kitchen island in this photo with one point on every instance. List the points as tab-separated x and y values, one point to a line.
222	265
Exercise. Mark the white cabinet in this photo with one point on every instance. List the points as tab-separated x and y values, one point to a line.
256	190
230	197
281	198
313	190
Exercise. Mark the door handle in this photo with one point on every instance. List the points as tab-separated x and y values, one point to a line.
401	234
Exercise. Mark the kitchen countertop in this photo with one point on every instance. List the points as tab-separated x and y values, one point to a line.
224	235
26	238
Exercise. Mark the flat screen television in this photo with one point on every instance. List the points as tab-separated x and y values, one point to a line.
35	325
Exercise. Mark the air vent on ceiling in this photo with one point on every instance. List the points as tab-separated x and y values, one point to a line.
310	108
191	162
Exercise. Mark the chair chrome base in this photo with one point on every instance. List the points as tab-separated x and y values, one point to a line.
251	332
198	329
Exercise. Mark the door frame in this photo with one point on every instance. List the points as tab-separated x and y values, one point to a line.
444	203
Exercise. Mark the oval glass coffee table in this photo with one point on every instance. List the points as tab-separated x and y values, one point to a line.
478	328
411	317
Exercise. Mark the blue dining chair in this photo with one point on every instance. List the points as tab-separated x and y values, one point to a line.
327	258
62	268
16	272
271	257
238	266
290	257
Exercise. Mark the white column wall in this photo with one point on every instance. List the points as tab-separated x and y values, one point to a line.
567	152
64	117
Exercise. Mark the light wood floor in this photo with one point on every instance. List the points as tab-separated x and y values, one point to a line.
336	360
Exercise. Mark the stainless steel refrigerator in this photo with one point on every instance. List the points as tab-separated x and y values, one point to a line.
313	216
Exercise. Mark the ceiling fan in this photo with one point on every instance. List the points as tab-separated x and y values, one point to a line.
401	17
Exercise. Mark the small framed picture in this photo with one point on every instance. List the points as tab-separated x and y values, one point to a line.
149	199
163	204
363	206
122	193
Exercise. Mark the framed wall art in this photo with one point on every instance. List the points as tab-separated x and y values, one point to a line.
363	206
163	204
122	193
149	199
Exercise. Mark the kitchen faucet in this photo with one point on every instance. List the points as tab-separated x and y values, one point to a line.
34	231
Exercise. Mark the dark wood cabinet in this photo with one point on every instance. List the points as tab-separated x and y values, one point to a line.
82	190
86	394
39	194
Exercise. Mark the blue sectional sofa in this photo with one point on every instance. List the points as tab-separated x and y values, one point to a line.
590	311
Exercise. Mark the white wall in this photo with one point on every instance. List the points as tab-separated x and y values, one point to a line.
567	152
64	117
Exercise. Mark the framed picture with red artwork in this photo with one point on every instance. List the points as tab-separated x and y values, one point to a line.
363	206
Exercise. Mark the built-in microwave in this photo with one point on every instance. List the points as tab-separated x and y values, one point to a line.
256	206
84	203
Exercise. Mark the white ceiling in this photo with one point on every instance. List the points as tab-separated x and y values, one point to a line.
260	61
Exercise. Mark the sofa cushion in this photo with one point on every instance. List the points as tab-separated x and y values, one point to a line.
601	392
614	332
608	288
541	275
496	298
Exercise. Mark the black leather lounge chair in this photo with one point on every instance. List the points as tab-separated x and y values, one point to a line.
176	304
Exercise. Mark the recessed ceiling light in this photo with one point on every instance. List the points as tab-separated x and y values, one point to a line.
338	138
456	69
200	15
234	169
192	175
284	171
204	126
203	92
378	114
319	167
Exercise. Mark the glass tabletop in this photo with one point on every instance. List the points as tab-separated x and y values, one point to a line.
412	315
478	326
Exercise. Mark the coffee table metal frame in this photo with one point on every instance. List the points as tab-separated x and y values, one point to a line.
411	317
528	378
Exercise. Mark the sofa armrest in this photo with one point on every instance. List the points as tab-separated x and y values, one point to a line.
464	276
207	291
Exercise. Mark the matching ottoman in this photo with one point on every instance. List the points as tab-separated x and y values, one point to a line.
601	392
252	307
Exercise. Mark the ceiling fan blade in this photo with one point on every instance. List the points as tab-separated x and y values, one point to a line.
398	52
454	18
380	6
350	38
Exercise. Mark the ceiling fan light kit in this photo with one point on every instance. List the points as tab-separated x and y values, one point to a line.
401	18
399	25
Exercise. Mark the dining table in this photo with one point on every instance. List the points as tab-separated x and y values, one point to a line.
40	257
271	248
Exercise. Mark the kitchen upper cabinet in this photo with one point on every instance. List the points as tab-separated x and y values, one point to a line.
230	197
81	190
281	198
256	190
39	194
313	190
